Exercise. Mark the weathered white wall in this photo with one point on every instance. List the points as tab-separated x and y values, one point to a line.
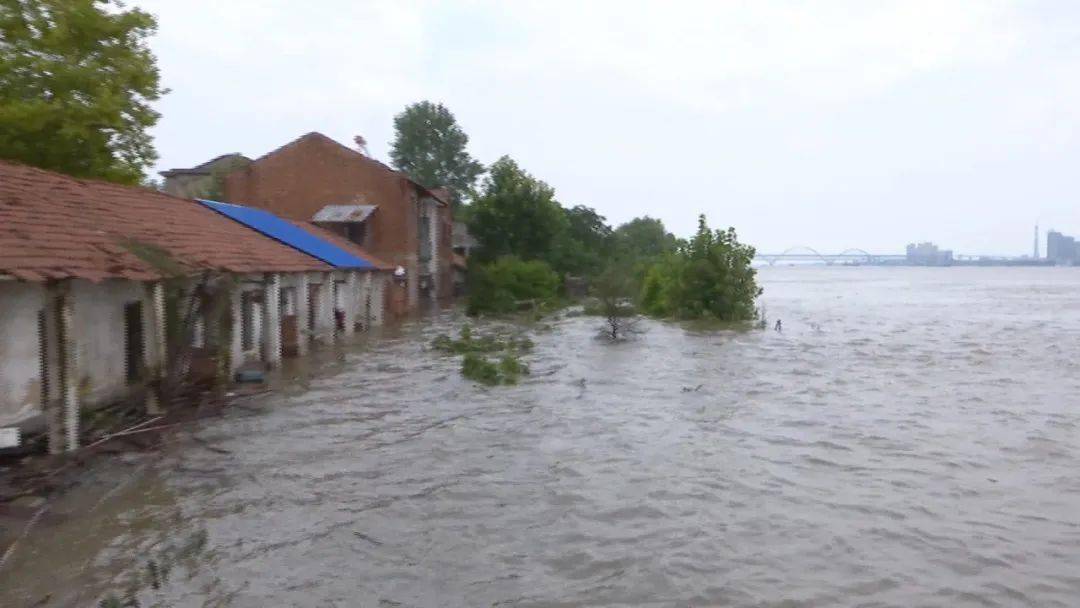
98	332
98	316
20	367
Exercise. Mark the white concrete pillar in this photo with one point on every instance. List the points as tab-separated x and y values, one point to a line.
69	354
53	406
365	299
155	355
349	297
302	313
324	320
433	261
271	323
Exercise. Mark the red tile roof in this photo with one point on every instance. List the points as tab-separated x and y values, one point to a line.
344	243
53	226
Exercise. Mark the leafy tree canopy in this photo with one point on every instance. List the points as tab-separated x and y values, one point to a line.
587	243
76	84
516	214
645	237
709	277
430	148
498	286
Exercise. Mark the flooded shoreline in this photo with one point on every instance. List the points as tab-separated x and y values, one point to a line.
911	437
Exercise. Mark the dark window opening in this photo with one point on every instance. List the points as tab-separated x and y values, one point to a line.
425	238
313	306
134	348
61	348
247	320
43	353
355	232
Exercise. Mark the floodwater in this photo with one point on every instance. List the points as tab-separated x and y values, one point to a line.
912	438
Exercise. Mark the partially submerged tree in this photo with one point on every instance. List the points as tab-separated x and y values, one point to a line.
429	146
76	83
508	283
710	277
641	243
613	290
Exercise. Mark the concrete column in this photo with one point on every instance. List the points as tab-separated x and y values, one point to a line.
236	344
350	300
69	354
433	261
271	323
301	292
53	406
378	298
324	321
155	355
365	300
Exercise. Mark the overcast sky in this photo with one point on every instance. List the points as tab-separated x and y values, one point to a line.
828	124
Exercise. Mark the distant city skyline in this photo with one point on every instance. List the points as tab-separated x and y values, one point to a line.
834	125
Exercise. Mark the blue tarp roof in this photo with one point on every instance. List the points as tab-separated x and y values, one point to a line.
289	234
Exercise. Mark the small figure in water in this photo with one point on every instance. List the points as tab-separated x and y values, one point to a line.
779	325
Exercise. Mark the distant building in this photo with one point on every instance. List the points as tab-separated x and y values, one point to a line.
928	254
205	180
316	179
1062	249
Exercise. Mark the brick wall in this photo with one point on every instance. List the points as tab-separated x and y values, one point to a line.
302	177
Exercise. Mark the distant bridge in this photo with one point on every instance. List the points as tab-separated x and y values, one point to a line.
853	256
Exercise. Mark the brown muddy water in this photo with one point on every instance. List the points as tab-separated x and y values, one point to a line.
912	438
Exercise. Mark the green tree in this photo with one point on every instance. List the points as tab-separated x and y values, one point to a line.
499	286
708	277
640	243
429	146
76	84
613	290
644	237
517	215
587	243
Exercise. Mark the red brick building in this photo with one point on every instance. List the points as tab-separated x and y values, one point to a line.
316	179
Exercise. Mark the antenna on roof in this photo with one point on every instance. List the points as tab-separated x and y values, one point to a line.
361	144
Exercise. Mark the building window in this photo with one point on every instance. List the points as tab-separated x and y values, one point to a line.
133	342
247	320
355	232
43	354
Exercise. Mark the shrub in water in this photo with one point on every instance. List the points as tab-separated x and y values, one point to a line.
477	367
499	287
482	344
